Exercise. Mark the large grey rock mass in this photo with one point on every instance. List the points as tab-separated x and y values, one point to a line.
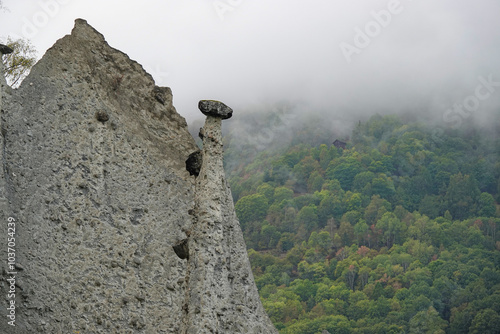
94	172
215	109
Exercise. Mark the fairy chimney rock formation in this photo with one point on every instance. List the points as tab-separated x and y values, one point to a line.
113	234
221	295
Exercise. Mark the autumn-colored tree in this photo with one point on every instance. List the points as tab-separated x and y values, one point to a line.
18	64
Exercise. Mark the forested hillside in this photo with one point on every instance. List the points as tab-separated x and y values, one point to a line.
396	233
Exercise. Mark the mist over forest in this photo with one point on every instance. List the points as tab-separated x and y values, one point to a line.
341	58
274	126
394	230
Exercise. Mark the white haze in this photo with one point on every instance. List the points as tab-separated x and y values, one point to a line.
427	58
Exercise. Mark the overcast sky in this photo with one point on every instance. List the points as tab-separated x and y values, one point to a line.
340	56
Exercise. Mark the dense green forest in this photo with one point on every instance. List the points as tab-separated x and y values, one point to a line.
396	233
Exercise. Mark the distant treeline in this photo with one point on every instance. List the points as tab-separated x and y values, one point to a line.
397	233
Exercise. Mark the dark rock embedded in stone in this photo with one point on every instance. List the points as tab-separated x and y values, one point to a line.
182	249
4	49
160	94
102	116
215	108
193	163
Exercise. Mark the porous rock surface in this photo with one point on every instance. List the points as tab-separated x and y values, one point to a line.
221	295
93	170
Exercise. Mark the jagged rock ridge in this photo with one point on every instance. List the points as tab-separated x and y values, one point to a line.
93	157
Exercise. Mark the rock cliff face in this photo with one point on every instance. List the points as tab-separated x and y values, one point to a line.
93	171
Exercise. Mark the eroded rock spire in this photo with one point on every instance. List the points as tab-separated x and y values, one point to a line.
222	296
